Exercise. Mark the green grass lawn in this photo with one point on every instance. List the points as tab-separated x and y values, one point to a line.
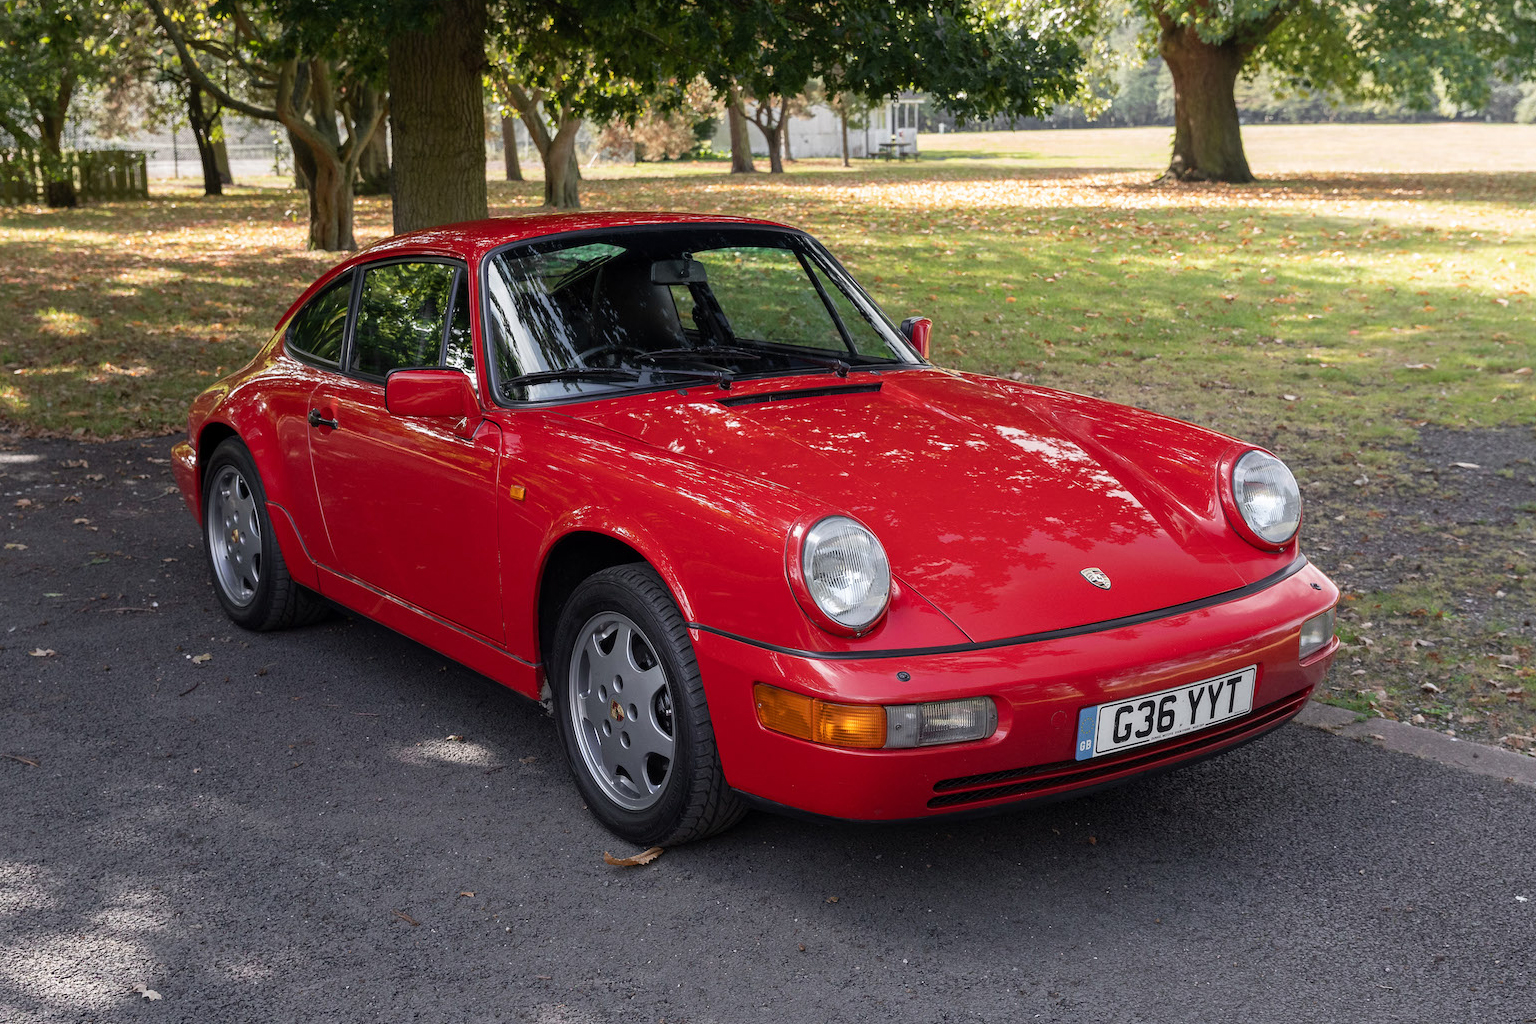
1377	284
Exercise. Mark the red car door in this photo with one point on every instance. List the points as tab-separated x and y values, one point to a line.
409	502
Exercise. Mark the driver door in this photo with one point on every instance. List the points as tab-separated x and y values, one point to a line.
409	502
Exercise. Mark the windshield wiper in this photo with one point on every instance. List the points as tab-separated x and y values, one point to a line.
601	374
573	373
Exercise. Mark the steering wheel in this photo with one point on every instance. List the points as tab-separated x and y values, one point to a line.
610	348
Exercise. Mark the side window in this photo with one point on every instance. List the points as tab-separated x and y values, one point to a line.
401	316
459	353
318	328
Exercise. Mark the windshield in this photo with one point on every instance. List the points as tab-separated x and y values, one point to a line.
633	308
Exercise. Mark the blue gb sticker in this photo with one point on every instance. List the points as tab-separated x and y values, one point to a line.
1087	725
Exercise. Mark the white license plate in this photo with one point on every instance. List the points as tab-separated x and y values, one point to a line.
1123	724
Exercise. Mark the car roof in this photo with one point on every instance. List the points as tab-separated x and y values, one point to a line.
469	240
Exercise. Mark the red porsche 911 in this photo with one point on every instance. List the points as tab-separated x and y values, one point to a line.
681	480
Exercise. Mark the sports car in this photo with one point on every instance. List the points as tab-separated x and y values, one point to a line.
680	479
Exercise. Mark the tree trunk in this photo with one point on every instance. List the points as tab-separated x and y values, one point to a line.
58	179
741	142
303	166
763	118
561	175
1207	135
775	150
784	131
373	166
221	151
202	123
843	117
330	205
437	118
509	148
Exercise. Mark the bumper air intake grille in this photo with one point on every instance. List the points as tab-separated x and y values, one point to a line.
1067	775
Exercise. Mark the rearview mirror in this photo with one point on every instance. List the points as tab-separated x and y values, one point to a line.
432	392
677	272
917	330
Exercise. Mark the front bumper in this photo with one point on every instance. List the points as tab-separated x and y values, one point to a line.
1038	688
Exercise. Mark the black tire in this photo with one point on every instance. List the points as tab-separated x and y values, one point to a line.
634	794
249	573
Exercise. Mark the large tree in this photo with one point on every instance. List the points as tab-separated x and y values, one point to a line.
963	53
310	75
437	67
50	50
1415	51
561	62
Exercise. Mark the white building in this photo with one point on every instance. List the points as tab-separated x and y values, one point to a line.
890	126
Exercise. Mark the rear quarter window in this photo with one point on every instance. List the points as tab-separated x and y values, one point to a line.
318	329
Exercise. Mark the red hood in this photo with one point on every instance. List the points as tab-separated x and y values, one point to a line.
990	497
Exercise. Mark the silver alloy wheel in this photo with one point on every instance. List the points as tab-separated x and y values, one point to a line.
621	711
234	536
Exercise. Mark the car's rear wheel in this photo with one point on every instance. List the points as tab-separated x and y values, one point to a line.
631	712
249	573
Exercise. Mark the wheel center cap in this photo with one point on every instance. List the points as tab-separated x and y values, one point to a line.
615	711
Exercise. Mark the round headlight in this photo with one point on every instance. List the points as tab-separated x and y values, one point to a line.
846	572
1267	497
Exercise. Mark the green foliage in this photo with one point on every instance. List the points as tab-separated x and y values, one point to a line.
50	50
1416	52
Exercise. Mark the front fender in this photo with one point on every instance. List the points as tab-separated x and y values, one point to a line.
717	540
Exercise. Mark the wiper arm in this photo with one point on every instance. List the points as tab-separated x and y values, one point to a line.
837	366
607	373
577	373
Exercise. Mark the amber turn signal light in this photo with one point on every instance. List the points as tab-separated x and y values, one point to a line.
819	721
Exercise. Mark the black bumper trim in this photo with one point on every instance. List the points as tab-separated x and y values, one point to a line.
1248	590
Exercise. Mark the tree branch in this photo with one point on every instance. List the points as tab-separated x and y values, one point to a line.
195	71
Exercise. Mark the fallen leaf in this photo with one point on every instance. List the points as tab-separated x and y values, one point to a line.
1429	687
147	992
81	521
467	892
201	658
42	652
1289	398
23	502
1417	366
23	760
1466	465
831	899
1524	371
455	738
644	857
15	547
407	918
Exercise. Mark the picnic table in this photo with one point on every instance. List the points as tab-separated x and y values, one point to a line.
898	149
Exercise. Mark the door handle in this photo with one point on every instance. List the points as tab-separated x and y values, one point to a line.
316	420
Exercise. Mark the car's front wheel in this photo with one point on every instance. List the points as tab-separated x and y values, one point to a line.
249	573
631	711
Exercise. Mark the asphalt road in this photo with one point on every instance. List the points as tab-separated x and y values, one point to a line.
284	831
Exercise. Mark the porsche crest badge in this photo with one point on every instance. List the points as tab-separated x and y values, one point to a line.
1098	577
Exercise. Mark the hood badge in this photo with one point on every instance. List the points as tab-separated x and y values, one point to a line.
1098	577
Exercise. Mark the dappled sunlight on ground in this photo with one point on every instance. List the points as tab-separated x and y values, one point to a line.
452	750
